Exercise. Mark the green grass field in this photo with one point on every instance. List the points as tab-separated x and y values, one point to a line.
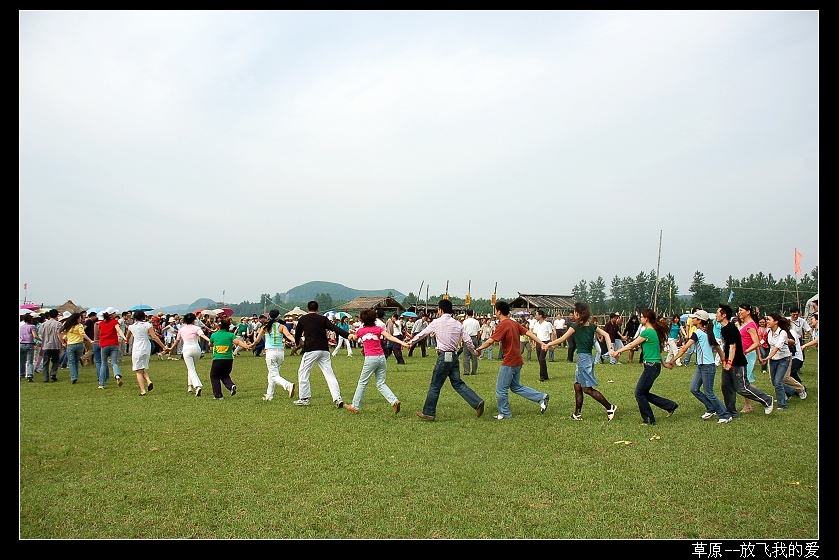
111	465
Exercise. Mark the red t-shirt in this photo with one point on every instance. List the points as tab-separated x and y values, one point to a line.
108	333
508	333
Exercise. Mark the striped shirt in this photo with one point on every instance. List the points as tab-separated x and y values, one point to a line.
448	332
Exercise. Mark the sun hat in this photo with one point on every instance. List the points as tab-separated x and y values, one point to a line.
700	314
111	310
171	319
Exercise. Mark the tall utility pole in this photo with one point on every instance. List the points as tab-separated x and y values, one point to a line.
657	273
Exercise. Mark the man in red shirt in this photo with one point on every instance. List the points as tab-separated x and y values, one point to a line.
507	332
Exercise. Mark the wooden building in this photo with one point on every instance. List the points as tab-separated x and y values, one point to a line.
552	305
359	304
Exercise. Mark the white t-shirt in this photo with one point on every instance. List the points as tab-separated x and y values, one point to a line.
543	330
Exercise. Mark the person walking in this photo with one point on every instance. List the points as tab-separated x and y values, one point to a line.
673	338
109	336
222	342
51	345
733	362
612	327
472	328
751	343
375	362
633	326
507	332
75	337
653	337
544	333
189	335
344	324
312	328
274	332
420	324
449	335
780	356
582	333
702	384
28	338
142	333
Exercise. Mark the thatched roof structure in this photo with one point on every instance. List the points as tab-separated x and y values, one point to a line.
551	304
359	304
71	307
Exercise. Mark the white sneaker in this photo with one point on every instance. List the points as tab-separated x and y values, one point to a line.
302	402
500	417
725	420
802	395
267	398
708	415
771	407
543	405
189	389
611	412
198	391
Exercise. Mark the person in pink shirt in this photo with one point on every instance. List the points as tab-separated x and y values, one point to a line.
189	334
375	362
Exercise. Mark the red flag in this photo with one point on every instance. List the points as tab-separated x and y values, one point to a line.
797	262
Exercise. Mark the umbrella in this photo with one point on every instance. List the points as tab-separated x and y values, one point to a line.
521	313
409	314
211	312
31	306
330	315
227	311
142	307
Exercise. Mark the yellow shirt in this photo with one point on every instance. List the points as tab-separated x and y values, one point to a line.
75	335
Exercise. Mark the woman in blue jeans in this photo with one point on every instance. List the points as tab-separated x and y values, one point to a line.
702	384
778	337
652	338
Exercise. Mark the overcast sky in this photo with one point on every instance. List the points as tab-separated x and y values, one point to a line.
168	156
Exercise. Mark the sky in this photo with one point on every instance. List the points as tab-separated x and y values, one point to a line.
166	156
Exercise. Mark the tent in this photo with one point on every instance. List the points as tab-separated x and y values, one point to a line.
71	307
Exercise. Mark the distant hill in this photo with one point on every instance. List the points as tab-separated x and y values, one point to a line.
182	308
304	292
308	291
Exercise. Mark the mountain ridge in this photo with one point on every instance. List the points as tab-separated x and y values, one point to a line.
302	293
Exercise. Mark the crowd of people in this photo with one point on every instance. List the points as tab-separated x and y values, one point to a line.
736	342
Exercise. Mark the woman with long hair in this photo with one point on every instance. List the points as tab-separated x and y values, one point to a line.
274	332
583	331
702	384
779	356
763	348
190	334
674	330
653	336
751	342
75	336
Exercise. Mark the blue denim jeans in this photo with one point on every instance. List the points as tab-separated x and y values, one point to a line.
777	372
509	380
111	352
448	370
645	398
688	353
702	387
74	359
373	366
27	357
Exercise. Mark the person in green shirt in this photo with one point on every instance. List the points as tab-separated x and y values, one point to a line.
652	337
222	342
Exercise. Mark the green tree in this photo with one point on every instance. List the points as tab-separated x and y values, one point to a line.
597	293
705	296
580	291
324	302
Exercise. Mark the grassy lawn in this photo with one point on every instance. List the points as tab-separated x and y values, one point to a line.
108	464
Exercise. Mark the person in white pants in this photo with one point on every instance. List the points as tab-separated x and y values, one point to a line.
275	332
341	340
189	334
